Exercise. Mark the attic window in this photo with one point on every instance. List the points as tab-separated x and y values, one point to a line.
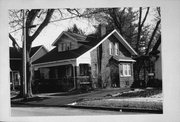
65	46
68	46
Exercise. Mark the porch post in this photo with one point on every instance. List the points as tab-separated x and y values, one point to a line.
74	74
13	80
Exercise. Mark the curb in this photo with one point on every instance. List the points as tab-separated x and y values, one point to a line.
120	109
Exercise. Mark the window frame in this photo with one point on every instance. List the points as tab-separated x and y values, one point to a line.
126	70
116	48
84	69
110	48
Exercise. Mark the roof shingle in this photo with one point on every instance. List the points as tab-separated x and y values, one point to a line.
54	55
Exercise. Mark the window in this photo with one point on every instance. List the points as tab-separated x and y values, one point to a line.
110	48
116	49
68	46
68	70
84	69
125	70
62	46
65	46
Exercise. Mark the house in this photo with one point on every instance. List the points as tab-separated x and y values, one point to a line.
16	62
148	68
78	60
155	56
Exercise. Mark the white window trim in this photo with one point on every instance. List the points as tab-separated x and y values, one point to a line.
127	68
116	49
110	48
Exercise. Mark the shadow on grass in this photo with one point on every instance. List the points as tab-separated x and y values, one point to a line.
35	98
143	93
71	93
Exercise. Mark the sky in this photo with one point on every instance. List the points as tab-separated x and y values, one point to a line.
53	30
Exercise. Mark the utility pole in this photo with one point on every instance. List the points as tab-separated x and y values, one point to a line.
24	56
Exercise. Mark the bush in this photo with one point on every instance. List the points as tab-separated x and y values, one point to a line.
155	83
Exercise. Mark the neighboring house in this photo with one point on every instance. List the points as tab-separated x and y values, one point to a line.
148	68
16	62
78	60
155	55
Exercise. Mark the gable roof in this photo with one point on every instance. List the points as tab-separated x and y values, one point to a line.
14	54
54	55
120	38
125	43
88	45
74	36
34	50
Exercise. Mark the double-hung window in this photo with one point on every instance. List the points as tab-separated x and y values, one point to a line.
125	70
65	46
84	69
68	46
116	49
110	48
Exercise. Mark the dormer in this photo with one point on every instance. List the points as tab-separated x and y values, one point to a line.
68	41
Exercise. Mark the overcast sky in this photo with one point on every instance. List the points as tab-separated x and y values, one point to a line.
53	30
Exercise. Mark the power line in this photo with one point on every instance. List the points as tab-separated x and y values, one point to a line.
62	19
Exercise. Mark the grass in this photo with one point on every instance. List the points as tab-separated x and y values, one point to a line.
142	93
122	100
122	104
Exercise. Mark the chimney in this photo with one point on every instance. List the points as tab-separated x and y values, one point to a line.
102	29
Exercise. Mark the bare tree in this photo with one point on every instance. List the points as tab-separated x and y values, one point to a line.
31	15
140	25
36	20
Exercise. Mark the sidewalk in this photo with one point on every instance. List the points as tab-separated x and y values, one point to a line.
107	99
64	98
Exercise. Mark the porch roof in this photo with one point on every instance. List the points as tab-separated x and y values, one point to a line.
14	54
123	59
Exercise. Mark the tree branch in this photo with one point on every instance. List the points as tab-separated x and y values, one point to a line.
152	36
30	19
71	11
139	29
44	23
14	42
145	17
159	11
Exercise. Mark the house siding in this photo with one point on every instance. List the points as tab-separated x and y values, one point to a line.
64	39
108	71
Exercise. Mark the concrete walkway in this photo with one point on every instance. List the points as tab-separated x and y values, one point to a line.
61	99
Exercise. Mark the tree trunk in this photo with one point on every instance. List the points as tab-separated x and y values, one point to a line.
29	76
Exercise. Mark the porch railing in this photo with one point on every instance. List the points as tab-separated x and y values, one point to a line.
60	84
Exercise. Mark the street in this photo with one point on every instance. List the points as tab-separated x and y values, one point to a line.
59	111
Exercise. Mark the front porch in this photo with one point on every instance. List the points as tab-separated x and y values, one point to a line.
60	78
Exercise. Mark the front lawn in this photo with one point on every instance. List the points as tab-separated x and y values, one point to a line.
150	99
